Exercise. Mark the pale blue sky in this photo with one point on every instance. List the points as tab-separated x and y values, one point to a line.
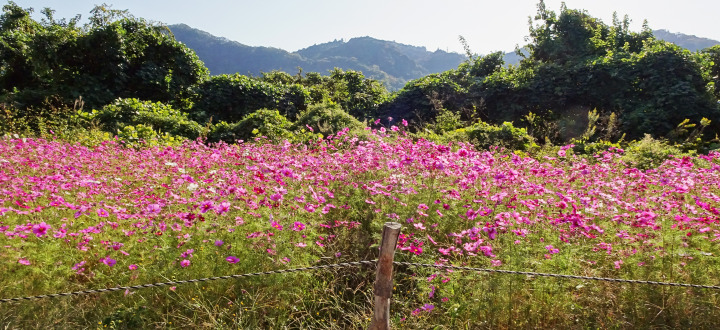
487	25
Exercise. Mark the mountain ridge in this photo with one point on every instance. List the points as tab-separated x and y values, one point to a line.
390	62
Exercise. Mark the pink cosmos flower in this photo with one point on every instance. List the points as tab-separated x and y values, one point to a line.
101	212
40	229
276	197
24	261
223	208
219	243
618	263
108	261
276	225
184	263
154	208
133	267
551	249
298	226
232	259
188	253
206	206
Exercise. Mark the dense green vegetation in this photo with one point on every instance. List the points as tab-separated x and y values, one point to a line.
580	81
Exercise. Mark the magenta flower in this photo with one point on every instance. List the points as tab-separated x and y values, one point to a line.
108	261
219	243
40	229
153	208
101	212
232	259
276	225
133	267
276	197
222	208
298	226
188	253
24	261
618	263
551	249
206	206
184	263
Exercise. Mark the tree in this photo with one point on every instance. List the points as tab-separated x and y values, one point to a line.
116	55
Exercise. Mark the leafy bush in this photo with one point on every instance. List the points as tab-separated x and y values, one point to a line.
232	97
593	148
264	122
142	135
154	116
326	119
484	135
649	152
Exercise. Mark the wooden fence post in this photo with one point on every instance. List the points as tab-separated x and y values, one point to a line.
383	278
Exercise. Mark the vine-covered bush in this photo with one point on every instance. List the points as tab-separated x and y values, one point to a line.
264	122
326	119
158	117
484	135
649	153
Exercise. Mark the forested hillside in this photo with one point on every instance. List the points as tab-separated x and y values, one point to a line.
390	62
689	42
387	61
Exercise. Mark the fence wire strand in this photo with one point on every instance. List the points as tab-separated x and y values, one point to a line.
215	278
577	277
357	264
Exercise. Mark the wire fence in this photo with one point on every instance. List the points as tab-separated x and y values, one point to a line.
153	285
358	264
576	277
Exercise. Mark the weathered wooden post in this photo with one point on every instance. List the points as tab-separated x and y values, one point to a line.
383	278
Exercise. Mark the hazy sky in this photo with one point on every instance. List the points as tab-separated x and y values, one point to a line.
486	25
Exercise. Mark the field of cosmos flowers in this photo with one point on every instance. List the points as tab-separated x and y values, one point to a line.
75	217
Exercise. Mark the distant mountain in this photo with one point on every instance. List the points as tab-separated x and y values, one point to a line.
391	62
689	42
387	61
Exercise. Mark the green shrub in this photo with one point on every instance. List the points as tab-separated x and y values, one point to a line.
232	97
155	116
484	135
326	119
140	135
649	152
263	122
593	148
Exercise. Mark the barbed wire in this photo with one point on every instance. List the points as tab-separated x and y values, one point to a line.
577	277
151	285
356	264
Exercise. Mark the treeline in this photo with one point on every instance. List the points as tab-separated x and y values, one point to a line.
580	81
